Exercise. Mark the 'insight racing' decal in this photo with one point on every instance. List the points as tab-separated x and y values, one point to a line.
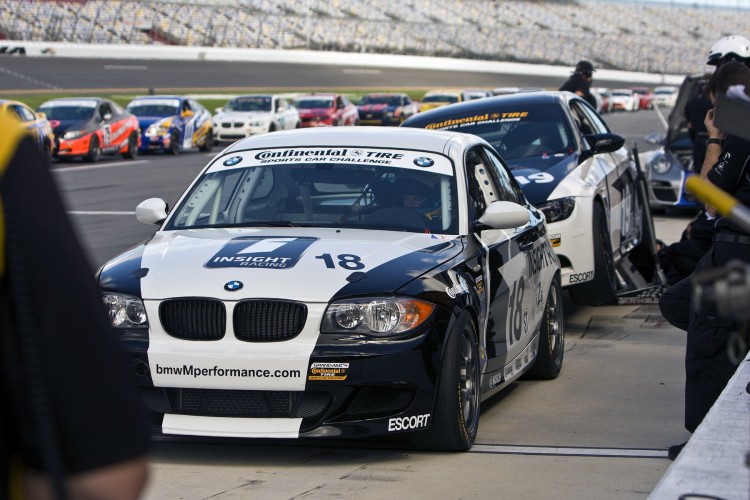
258	251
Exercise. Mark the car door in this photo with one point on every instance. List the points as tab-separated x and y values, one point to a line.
506	270
626	217
108	124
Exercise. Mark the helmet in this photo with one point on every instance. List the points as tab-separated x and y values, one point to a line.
733	47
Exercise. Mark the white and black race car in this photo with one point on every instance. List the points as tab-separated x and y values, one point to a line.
574	169
348	283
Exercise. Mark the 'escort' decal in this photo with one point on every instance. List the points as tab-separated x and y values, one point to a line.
408	423
581	277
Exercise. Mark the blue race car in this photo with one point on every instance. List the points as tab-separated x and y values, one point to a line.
172	123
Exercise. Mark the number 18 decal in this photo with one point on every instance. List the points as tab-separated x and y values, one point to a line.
345	260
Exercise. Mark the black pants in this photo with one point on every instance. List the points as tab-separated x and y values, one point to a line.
707	364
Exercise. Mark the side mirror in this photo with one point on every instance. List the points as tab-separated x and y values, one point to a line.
603	143
218	110
187	113
504	215
151	211
41	115
107	117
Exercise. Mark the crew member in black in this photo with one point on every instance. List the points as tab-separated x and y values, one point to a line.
580	82
707	364
71	423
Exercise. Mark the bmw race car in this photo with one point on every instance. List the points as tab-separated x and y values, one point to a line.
291	293
326	110
253	114
385	109
575	170
172	123
36	123
88	127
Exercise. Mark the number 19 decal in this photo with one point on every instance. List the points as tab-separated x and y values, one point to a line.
345	260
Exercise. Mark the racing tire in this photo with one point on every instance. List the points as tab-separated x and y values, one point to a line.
208	142
132	151
94	150
271	128
551	348
603	288
174	144
455	419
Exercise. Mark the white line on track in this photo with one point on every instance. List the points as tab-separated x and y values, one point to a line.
358	71
101	165
567	451
125	67
661	117
98	212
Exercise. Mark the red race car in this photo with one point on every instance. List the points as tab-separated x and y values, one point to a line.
326	110
88	127
645	97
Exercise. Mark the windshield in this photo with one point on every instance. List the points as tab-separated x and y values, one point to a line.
522	132
313	103
310	194
440	98
622	93
389	100
154	107
69	110
664	91
259	103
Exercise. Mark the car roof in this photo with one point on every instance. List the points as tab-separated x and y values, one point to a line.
159	96
365	137
82	98
489	103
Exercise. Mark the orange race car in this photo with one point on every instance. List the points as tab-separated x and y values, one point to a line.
88	127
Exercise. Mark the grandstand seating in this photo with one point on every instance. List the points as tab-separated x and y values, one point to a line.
634	36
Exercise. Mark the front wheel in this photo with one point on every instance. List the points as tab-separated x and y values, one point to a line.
603	288
549	357
94	149
174	144
455	420
132	151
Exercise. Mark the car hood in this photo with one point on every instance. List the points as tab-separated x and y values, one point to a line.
145	121
62	126
374	107
242	115
304	264
556	167
315	112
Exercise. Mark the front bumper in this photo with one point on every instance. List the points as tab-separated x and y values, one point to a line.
155	143
236	131
573	242
352	389
72	147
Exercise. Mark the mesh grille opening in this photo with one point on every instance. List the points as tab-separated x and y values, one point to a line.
268	321
193	319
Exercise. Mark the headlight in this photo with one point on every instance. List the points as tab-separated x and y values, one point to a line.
557	210
125	311
73	134
377	317
661	164
257	123
389	114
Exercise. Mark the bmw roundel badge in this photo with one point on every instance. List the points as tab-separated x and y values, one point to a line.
233	286
423	161
234	160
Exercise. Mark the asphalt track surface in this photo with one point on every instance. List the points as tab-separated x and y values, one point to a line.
598	431
27	74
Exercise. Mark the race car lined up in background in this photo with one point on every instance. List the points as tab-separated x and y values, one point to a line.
326	110
253	114
172	123
292	292
385	108
669	166
438	98
575	170
88	127
35	122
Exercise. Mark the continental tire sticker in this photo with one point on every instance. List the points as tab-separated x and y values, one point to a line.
328	371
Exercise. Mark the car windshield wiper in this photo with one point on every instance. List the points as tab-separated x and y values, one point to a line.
263	223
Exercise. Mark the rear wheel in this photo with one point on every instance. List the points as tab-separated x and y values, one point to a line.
603	288
455	420
94	150
132	151
551	337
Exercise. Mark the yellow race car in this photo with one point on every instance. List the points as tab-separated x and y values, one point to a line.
437	98
36	123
